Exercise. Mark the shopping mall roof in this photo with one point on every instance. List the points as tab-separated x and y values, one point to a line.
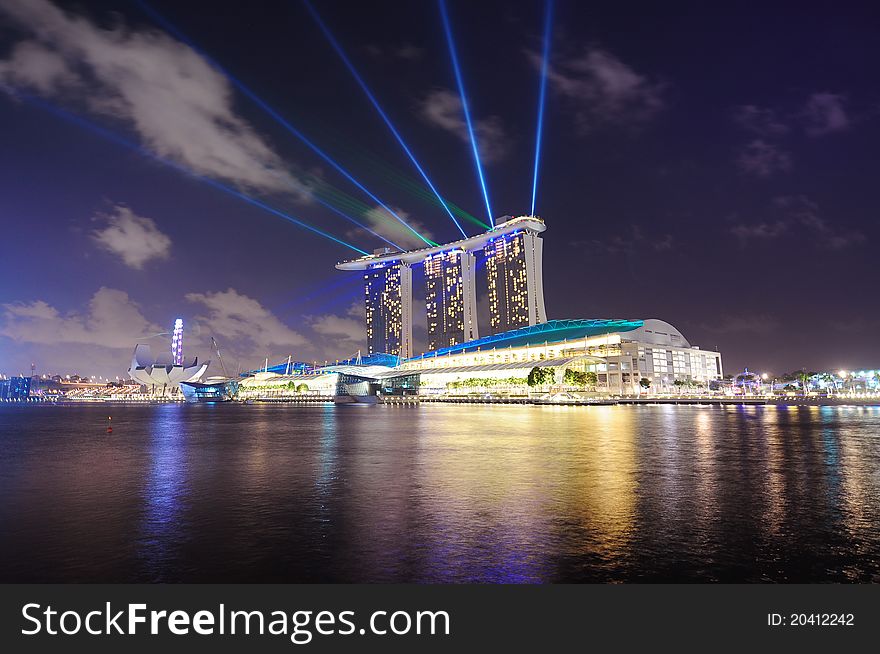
524	366
552	331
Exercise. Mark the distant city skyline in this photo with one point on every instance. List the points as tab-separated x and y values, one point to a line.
701	165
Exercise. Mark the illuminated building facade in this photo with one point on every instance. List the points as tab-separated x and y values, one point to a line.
514	277
621	353
616	357
177	343
161	372
388	301
15	389
512	249
450	298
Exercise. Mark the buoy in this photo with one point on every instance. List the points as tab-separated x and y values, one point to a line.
109	428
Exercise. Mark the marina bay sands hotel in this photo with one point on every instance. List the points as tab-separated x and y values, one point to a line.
512	255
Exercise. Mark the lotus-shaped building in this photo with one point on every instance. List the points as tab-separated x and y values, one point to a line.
156	372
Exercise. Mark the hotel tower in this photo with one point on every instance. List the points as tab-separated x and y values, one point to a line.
450	298
511	252
515	280
388	299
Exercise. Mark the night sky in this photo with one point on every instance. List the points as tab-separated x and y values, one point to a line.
710	165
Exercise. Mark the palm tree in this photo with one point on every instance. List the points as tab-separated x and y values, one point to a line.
804	378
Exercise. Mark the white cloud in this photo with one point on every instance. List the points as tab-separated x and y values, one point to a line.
409	52
760	231
627	243
799	215
180	106
603	89
346	329
243	325
442	108
806	213
31	64
339	337
383	223
404	51
763	121
825	113
358	310
763	159
112	320
100	338
134	238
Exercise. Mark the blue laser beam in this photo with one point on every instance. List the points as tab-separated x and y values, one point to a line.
548	21
341	213
79	121
360	80
246	90
464	103
305	298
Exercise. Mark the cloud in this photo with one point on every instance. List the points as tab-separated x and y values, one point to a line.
800	215
31	64
409	52
346	329
603	89
825	113
806	214
760	120
134	238
112	320
245	326
442	108
763	159
179	105
404	51
382	222
99	339
336	336
759	231
664	244
358	310
627	244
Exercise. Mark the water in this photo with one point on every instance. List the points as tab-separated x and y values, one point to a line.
439	493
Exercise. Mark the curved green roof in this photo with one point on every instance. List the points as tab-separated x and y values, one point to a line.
552	331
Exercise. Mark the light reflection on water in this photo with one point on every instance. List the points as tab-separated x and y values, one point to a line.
165	492
440	493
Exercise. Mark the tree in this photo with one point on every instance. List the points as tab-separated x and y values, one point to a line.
645	383
804	378
302	388
535	377
540	376
576	377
